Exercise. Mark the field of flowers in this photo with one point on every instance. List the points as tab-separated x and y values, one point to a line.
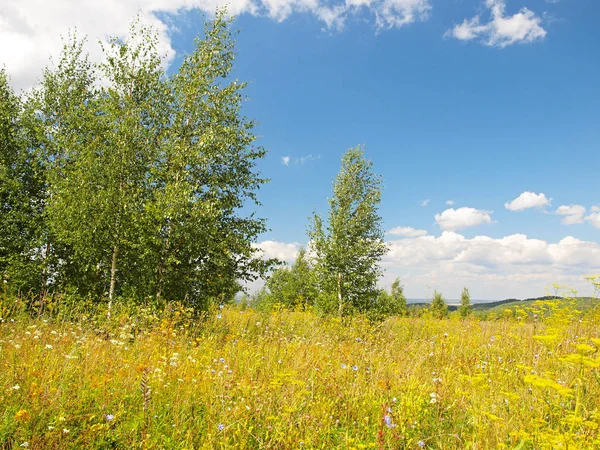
291	380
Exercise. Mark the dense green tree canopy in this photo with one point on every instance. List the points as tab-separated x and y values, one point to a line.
22	195
142	179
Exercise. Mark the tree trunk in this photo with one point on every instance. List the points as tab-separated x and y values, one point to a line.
160	275
340	298
162	265
160	283
45	276
113	278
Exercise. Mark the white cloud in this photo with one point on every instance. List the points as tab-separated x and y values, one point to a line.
287	160
307	158
281	250
450	202
512	266
501	30
528	200
516	249
334	17
456	219
424	202
492	268
573	214
594	216
397	13
406	232
30	30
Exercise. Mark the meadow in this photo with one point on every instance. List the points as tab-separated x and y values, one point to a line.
236	378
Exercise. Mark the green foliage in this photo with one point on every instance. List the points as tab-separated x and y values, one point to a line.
99	153
438	307
399	305
350	246
140	180
392	303
207	177
23	257
465	309
294	287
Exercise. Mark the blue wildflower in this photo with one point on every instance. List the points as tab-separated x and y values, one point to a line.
388	421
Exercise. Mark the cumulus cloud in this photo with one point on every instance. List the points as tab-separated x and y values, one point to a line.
285	160
457	219
527	200
501	30
397	13
512	266
492	268
573	214
406	232
424	202
514	250
281	250
31	30
594	216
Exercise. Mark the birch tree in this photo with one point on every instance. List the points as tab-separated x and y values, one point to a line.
150	175
350	244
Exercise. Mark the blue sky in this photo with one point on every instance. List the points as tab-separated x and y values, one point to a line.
474	102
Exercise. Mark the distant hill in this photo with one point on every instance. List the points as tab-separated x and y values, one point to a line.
479	302
487	305
510	301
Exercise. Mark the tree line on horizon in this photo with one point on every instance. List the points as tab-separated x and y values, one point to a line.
120	181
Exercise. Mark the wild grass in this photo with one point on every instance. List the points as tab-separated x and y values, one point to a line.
292	380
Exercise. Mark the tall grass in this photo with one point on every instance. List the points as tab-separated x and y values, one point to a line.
240	379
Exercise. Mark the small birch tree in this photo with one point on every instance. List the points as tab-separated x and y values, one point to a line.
350	245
